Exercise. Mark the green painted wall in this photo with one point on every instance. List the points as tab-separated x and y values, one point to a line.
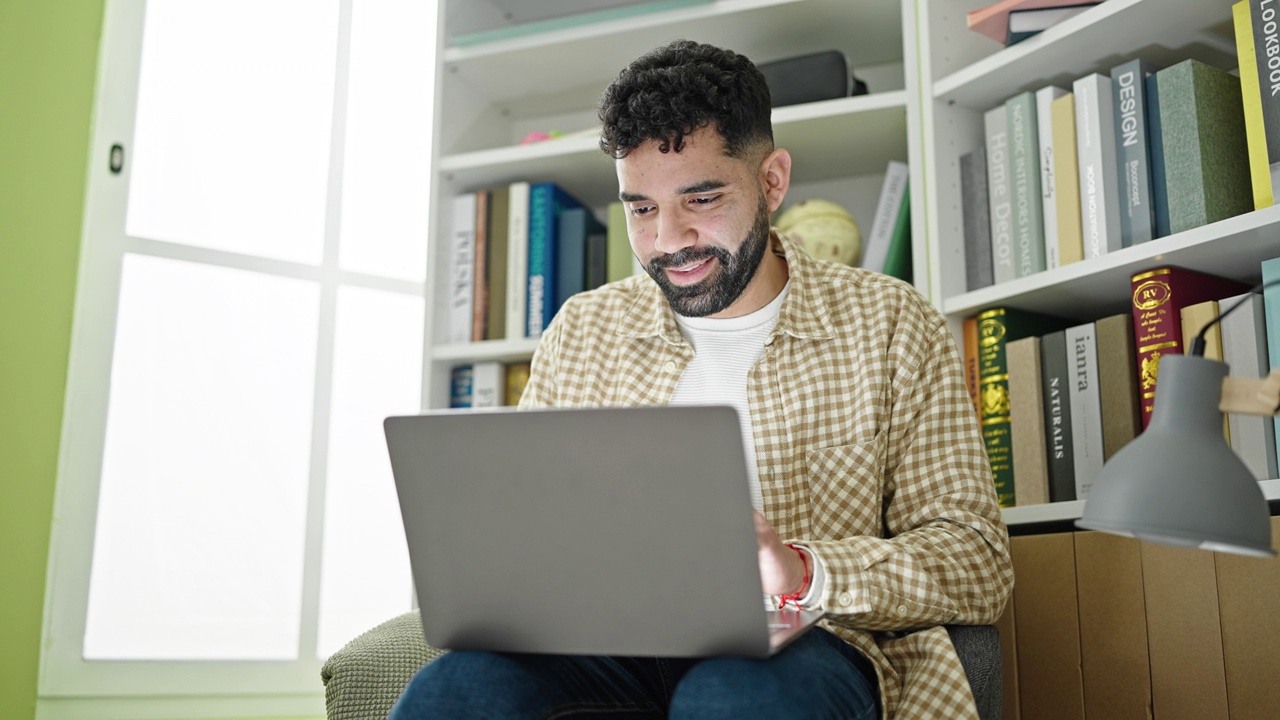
48	64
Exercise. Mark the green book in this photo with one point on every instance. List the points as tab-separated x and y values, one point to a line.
996	329
1206	155
1024	183
618	253
897	259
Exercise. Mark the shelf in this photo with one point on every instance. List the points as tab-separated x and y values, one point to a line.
1092	288
500	350
1071	510
1162	31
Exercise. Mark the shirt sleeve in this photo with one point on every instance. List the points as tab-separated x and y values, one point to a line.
540	390
945	554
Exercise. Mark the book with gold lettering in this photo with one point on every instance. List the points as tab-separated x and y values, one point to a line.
1158	298
517	378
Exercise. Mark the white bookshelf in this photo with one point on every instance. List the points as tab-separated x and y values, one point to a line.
1072	510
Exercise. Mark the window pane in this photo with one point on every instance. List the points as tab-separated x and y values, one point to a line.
202	511
387	161
377	366
231	144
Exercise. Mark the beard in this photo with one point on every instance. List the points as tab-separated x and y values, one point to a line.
727	282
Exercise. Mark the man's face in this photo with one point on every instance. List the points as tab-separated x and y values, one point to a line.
698	221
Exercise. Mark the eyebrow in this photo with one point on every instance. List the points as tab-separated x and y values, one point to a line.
694	189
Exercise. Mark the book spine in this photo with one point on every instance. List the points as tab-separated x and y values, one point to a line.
460	386
1137	221
517	377
1117	383
993	378
571	255
1266	38
898	261
1067	180
1244	350
1024	180
499	258
1057	417
480	282
977	219
597	259
1026	422
971	364
1048	187
1271	313
1086	406
462	268
1000	208
1255	126
488	384
1096	150
517	260
1155	140
619	255
541	293
893	191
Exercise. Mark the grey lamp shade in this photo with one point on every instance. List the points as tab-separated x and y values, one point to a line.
1179	483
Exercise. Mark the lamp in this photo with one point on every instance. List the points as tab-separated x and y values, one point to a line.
1179	483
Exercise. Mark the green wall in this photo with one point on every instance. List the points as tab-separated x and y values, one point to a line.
48	64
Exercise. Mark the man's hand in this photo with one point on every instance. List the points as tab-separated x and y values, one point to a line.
782	572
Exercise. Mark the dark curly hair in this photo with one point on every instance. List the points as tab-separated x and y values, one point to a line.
675	90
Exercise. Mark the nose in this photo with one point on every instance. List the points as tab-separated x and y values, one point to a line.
673	233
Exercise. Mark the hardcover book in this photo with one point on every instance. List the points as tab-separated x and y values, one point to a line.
1000	208
1158	298
1086	406
1271	311
499	244
1024	182
480	282
488	384
1066	180
1206	159
460	386
977	219
576	224
1117	383
462	267
517	378
893	194
1026	422
619	253
518	260
897	262
1261	84
1048	185
971	363
1255	125
1096	152
1155	141
1055	388
1244	350
1137	216
546	202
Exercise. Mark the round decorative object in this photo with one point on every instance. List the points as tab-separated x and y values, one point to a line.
824	229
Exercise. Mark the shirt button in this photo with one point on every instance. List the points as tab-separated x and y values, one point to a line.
845	599
671	366
902	609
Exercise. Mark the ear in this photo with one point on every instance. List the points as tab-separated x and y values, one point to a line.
775	177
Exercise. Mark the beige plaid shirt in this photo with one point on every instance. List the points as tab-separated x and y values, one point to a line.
867	447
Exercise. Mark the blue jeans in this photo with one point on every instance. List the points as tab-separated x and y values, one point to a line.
817	676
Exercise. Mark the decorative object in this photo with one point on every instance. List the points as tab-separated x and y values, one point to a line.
825	230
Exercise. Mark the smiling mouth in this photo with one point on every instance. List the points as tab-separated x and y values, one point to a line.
690	273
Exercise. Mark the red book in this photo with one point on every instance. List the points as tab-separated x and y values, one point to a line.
1158	298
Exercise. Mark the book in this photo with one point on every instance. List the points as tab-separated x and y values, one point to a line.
1244	350
1086	406
461	288
1026	422
1027	23
977	219
488	384
1117	383
893	192
597	256
993	20
517	377
571	259
1048	187
897	262
970	330
460	386
1066	180
547	201
1271	314
1158	297
1133	154
1024	185
1206	159
517	260
1096	155
996	328
619	252
1059	449
999	207
498	248
1255	126
480	268
1155	142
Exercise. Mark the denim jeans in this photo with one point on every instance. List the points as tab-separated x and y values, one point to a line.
817	676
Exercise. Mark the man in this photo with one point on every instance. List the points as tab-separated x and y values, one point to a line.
874	498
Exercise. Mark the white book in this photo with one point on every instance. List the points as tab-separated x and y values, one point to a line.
1244	350
1044	119
517	260
488	384
876	247
999	193
1096	152
1086	405
462	268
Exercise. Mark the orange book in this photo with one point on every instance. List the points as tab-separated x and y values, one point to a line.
971	362
480	306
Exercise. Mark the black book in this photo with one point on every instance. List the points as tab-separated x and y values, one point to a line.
1057	416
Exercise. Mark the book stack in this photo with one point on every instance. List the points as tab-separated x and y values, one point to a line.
1012	21
1116	160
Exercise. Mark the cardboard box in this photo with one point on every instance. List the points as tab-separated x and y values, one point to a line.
1009	661
1249	604
1184	636
1047	626
1113	627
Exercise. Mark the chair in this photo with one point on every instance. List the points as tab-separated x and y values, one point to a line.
364	678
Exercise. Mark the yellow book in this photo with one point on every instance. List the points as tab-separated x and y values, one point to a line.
517	378
1194	318
1255	130
1066	179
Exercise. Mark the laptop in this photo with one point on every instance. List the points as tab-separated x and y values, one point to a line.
605	531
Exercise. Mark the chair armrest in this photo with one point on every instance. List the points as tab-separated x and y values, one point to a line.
363	680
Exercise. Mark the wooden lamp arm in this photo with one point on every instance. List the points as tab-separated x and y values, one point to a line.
1251	396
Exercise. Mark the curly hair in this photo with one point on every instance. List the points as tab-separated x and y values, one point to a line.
680	88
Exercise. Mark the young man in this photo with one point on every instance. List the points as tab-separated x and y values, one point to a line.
873	494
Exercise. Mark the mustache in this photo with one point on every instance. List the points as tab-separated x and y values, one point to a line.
689	255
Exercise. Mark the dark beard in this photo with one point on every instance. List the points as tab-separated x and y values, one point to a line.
717	292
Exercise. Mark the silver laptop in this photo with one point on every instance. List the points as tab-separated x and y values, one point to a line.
614	531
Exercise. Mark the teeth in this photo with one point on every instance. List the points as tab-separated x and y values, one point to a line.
694	266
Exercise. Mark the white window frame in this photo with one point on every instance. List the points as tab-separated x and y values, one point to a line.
69	686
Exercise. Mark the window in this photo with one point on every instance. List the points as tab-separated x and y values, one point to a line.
250	308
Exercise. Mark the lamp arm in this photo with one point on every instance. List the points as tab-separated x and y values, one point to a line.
1251	396
1197	346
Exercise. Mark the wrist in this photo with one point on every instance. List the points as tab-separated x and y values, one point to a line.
806	566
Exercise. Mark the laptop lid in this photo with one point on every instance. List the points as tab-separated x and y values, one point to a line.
621	531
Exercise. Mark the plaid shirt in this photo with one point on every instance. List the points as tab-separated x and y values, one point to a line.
867	446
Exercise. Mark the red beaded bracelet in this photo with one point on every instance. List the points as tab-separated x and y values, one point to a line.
794	598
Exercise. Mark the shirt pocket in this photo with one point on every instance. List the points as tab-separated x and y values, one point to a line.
846	489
